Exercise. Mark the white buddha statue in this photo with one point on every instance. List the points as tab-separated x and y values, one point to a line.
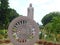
30	11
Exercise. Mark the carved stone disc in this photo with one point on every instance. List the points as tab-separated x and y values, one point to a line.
23	31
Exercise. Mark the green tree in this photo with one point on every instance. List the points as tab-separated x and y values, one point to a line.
48	17
3	13
41	26
53	27
56	24
6	14
51	23
12	14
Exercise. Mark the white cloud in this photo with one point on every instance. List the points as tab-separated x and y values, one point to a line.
38	1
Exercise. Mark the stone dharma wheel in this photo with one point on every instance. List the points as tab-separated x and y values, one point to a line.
23	31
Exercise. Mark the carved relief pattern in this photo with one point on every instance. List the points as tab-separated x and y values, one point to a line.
23	30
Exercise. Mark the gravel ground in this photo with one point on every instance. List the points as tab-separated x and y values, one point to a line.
12	44
6	44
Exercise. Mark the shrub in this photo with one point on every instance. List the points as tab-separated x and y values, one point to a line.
1	36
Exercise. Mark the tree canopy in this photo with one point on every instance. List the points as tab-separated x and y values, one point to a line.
7	14
51	22
48	17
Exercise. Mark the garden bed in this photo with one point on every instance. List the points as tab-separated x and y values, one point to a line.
46	43
4	41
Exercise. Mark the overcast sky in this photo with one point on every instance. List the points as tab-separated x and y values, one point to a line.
41	7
